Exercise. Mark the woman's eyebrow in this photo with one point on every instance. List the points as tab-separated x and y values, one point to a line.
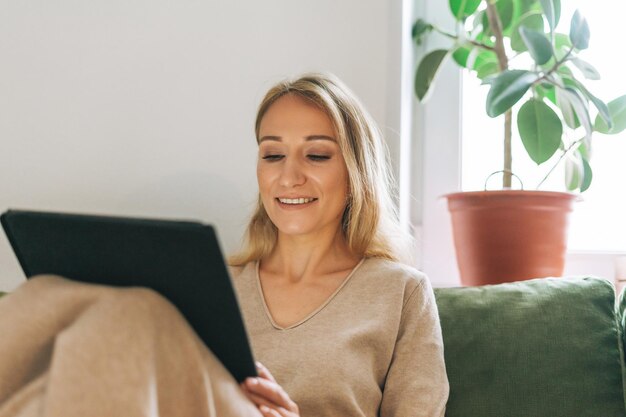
320	137
274	138
307	138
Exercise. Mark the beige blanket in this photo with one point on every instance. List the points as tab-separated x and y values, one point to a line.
77	350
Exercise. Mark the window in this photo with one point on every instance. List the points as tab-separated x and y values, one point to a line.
598	223
449	146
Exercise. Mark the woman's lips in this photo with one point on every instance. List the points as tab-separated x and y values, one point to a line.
295	203
297	200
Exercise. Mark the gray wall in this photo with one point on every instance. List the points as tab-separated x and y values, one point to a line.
145	107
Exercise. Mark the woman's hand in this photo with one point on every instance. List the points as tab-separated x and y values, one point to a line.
269	397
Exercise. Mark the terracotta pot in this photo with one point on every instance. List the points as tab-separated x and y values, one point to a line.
509	235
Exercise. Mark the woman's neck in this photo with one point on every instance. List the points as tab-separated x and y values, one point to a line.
299	258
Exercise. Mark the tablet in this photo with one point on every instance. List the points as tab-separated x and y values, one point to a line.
181	260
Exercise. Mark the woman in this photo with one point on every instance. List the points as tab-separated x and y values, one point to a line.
341	326
344	327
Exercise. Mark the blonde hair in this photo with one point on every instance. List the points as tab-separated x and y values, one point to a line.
370	221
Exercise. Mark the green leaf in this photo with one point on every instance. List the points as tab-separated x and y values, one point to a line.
565	71
462	8
507	89
552	10
603	110
587	175
489	79
487	69
579	31
569	82
546	90
477	24
461	54
580	108
562	45
573	173
480	57
426	72
567	109
483	62
538	45
526	5
485	38
617	110
578	173
531	21
586	68
421	28
561	40
540	129
505	10
585	152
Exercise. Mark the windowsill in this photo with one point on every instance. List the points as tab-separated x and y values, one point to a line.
595	262
596	252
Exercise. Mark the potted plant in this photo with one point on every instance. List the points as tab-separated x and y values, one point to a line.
514	48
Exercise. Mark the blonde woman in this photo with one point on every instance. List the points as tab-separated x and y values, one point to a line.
341	326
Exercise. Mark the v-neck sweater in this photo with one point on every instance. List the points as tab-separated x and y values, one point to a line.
373	348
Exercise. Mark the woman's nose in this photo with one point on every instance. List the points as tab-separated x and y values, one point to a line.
292	173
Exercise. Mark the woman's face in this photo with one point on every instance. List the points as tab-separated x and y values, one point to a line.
303	179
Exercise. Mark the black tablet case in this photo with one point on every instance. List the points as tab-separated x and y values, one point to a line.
180	260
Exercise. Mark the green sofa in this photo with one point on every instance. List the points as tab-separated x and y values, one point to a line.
541	348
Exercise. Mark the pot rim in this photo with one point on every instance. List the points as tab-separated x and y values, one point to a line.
520	193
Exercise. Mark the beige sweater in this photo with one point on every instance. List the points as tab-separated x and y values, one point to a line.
374	348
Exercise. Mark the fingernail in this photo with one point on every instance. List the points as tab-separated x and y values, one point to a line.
258	364
264	408
251	381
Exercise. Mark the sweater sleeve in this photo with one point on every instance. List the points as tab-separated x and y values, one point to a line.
416	383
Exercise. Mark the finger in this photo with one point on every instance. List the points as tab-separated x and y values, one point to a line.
270	412
271	391
267	389
258	400
284	412
264	372
262	403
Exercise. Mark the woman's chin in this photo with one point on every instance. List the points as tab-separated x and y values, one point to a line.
295	230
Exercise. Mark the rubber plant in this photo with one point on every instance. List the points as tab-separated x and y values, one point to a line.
513	46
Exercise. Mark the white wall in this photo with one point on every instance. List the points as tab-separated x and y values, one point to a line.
145	107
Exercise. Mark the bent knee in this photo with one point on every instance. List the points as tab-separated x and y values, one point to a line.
142	301
126	302
142	295
48	284
48	281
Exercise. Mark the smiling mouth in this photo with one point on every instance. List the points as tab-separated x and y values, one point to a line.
295	201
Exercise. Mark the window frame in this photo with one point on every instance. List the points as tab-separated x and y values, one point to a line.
435	142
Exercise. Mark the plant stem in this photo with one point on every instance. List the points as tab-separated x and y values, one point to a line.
556	66
456	38
503	64
496	28
508	157
565	152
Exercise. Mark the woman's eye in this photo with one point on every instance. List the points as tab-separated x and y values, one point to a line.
318	157
273	157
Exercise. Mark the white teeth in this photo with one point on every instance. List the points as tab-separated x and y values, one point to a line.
295	200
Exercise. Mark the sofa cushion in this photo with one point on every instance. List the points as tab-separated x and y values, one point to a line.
539	348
